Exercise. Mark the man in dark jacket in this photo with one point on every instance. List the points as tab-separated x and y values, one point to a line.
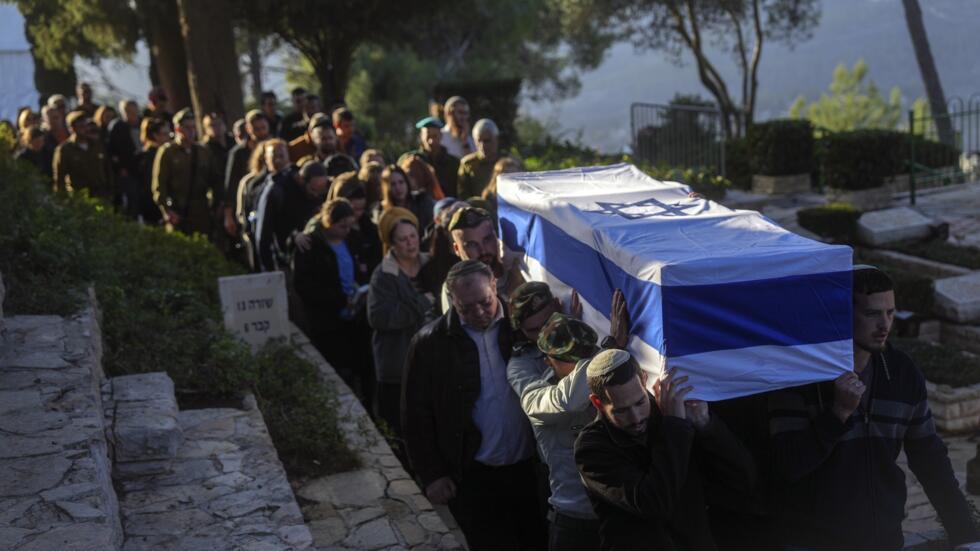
236	167
432	151
648	462
467	438
124	143
836	482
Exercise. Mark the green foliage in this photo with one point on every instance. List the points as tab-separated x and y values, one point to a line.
862	159
943	251
781	147
8	139
837	221
932	154
851	103
941	364
301	413
158	294
63	29
738	167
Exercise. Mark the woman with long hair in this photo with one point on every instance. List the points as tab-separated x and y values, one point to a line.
421	176
396	191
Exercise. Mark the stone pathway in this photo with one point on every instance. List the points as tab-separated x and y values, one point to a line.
55	487
957	205
227	490
921	522
378	506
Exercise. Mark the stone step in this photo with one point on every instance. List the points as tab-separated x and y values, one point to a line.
226	490
145	431
55	474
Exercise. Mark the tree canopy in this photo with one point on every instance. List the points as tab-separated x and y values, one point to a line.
852	103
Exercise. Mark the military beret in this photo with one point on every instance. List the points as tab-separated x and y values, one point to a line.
428	122
183	115
606	361
318	119
567	339
527	300
74	117
468	217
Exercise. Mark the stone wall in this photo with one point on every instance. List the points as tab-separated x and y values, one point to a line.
955	409
378	506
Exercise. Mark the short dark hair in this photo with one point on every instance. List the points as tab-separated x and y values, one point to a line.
297	91
268	94
465	268
871	280
619	375
312	169
335	210
341	114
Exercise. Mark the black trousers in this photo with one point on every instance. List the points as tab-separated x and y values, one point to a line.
497	508
567	533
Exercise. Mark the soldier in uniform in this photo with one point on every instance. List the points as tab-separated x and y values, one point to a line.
433	152
476	169
81	162
186	183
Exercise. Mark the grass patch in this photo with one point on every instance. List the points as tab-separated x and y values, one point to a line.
942	251
161	311
941	364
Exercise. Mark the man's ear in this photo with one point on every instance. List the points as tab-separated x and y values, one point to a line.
643	378
596	402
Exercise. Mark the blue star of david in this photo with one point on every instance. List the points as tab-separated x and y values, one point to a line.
619	209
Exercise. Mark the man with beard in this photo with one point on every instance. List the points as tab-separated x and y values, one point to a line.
186	182
294	124
475	238
322	138
836	483
649	462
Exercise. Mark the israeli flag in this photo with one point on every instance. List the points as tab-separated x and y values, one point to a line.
729	298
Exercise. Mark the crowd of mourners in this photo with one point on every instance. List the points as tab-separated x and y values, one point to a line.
501	402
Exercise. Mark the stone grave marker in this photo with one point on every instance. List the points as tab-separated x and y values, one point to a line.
255	307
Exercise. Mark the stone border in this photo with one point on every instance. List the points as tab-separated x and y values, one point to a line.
378	506
954	409
923	266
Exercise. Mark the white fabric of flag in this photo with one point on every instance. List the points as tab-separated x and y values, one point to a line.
731	299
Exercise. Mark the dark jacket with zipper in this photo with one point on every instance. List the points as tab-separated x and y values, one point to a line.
317	279
838	485
440	387
650	492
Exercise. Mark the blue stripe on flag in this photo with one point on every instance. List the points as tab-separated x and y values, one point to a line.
785	311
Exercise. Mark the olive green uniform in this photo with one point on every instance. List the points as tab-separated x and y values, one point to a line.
475	171
447	170
81	164
174	189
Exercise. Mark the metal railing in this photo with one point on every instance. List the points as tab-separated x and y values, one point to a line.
933	163
678	136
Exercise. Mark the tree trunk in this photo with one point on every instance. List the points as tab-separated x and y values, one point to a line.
212	63
255	65
166	45
927	67
333	71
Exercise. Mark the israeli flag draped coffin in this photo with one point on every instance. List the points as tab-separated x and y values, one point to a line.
733	301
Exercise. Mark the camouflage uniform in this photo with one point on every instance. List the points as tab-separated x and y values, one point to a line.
567	339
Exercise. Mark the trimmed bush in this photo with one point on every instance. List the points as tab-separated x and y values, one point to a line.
861	159
837	221
933	154
738	168
161	312
703	181
782	147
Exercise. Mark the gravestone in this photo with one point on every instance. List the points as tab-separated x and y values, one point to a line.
958	298
255	307
890	225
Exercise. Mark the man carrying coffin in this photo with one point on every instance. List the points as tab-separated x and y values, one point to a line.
548	373
836	482
648	462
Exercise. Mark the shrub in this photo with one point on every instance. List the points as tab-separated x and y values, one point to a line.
738	169
941	364
556	155
932	154
710	185
782	147
159	299
862	159
837	221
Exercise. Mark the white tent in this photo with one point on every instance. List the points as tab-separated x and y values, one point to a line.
16	65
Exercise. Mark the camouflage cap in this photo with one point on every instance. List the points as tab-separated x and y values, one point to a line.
468	217
567	339
527	300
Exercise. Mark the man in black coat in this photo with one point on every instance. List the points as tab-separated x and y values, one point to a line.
649	462
467	437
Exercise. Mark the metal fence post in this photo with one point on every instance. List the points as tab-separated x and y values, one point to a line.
912	156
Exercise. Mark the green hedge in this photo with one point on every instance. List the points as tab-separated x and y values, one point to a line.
941	364
862	159
837	221
781	147
158	293
738	167
933	154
